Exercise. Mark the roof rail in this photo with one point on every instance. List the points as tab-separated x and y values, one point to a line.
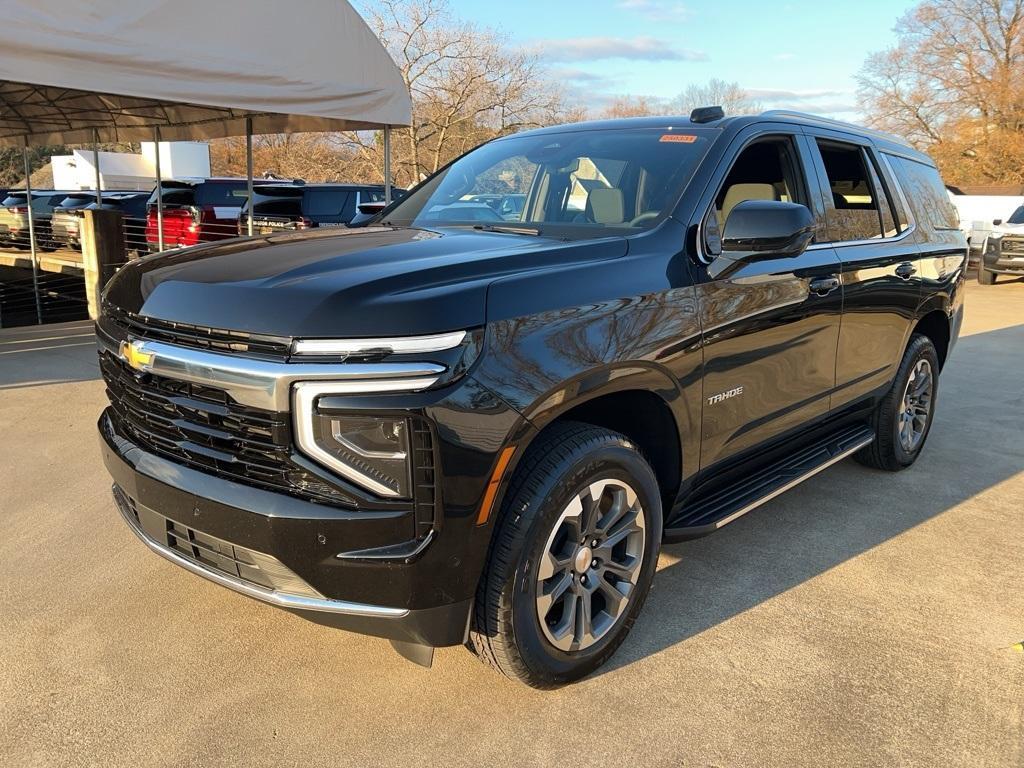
838	124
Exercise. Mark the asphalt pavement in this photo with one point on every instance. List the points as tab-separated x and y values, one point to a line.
863	618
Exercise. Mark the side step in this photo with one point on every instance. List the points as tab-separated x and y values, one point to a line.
708	514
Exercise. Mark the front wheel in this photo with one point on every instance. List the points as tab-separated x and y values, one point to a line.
572	560
904	417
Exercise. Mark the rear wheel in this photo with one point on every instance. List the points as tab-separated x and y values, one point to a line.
985	277
572	560
904	417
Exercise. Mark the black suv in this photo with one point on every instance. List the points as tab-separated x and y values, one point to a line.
442	430
306	206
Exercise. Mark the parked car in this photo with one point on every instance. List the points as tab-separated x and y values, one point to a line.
198	210
451	431
132	206
14	225
66	219
307	206
368	213
1004	249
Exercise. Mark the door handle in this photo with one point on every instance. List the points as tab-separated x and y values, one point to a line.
906	270
824	285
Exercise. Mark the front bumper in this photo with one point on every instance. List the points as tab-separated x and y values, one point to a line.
1004	256
162	501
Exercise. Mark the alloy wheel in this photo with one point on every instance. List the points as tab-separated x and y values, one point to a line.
917	406
590	565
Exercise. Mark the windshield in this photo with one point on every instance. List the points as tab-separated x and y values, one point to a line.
1017	217
583	183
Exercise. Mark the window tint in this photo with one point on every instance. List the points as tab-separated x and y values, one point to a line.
766	170
927	194
175	195
221	194
14	200
325	201
371	196
1017	217
75	201
889	228
856	213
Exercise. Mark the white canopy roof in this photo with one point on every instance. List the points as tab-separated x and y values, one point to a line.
113	70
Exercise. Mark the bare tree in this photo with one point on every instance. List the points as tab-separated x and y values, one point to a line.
954	84
730	96
466	85
633	106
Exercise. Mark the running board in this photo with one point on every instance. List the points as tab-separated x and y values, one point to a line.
709	514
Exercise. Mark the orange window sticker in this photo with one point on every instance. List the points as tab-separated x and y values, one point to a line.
679	138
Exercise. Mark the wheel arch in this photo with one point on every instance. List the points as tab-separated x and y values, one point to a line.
642	402
935	324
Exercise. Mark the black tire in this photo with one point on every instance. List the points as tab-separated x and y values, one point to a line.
887	451
985	277
506	631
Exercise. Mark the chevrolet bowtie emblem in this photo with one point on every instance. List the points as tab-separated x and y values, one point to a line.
132	352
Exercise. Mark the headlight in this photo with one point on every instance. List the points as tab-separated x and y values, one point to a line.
371	451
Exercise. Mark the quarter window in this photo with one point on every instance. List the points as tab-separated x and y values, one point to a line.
860	209
929	199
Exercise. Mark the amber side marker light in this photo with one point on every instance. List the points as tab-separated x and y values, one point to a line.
492	486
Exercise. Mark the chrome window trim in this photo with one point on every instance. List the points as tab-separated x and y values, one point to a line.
280	599
437	342
267	384
306	393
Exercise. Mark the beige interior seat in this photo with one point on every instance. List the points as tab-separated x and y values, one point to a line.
737	193
606	205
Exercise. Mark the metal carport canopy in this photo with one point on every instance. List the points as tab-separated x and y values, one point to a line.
107	70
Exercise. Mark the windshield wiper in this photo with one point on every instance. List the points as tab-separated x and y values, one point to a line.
508	229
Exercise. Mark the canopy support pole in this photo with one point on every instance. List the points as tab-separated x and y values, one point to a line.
32	235
96	165
159	193
248	171
387	165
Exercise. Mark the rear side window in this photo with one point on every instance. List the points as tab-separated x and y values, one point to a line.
324	201
371	196
175	195
927	194
13	200
860	208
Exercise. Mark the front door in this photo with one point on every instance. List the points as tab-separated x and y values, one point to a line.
771	328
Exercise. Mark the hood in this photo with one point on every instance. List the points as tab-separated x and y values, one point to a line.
338	283
1008	229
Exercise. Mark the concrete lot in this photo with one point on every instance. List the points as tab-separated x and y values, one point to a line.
861	619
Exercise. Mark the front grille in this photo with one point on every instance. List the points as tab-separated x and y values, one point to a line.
197	336
1013	246
203	428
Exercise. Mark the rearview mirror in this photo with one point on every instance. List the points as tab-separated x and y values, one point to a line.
758	230
996	222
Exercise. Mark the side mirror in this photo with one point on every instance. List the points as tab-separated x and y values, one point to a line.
767	229
996	222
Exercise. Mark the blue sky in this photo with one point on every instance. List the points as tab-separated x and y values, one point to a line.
797	55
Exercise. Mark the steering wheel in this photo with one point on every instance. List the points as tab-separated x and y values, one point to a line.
645	216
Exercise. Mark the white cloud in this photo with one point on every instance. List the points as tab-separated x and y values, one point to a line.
828	102
657	10
640	48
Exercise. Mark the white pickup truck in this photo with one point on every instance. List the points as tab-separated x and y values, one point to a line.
1003	253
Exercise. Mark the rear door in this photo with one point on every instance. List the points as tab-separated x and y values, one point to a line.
868	225
770	329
